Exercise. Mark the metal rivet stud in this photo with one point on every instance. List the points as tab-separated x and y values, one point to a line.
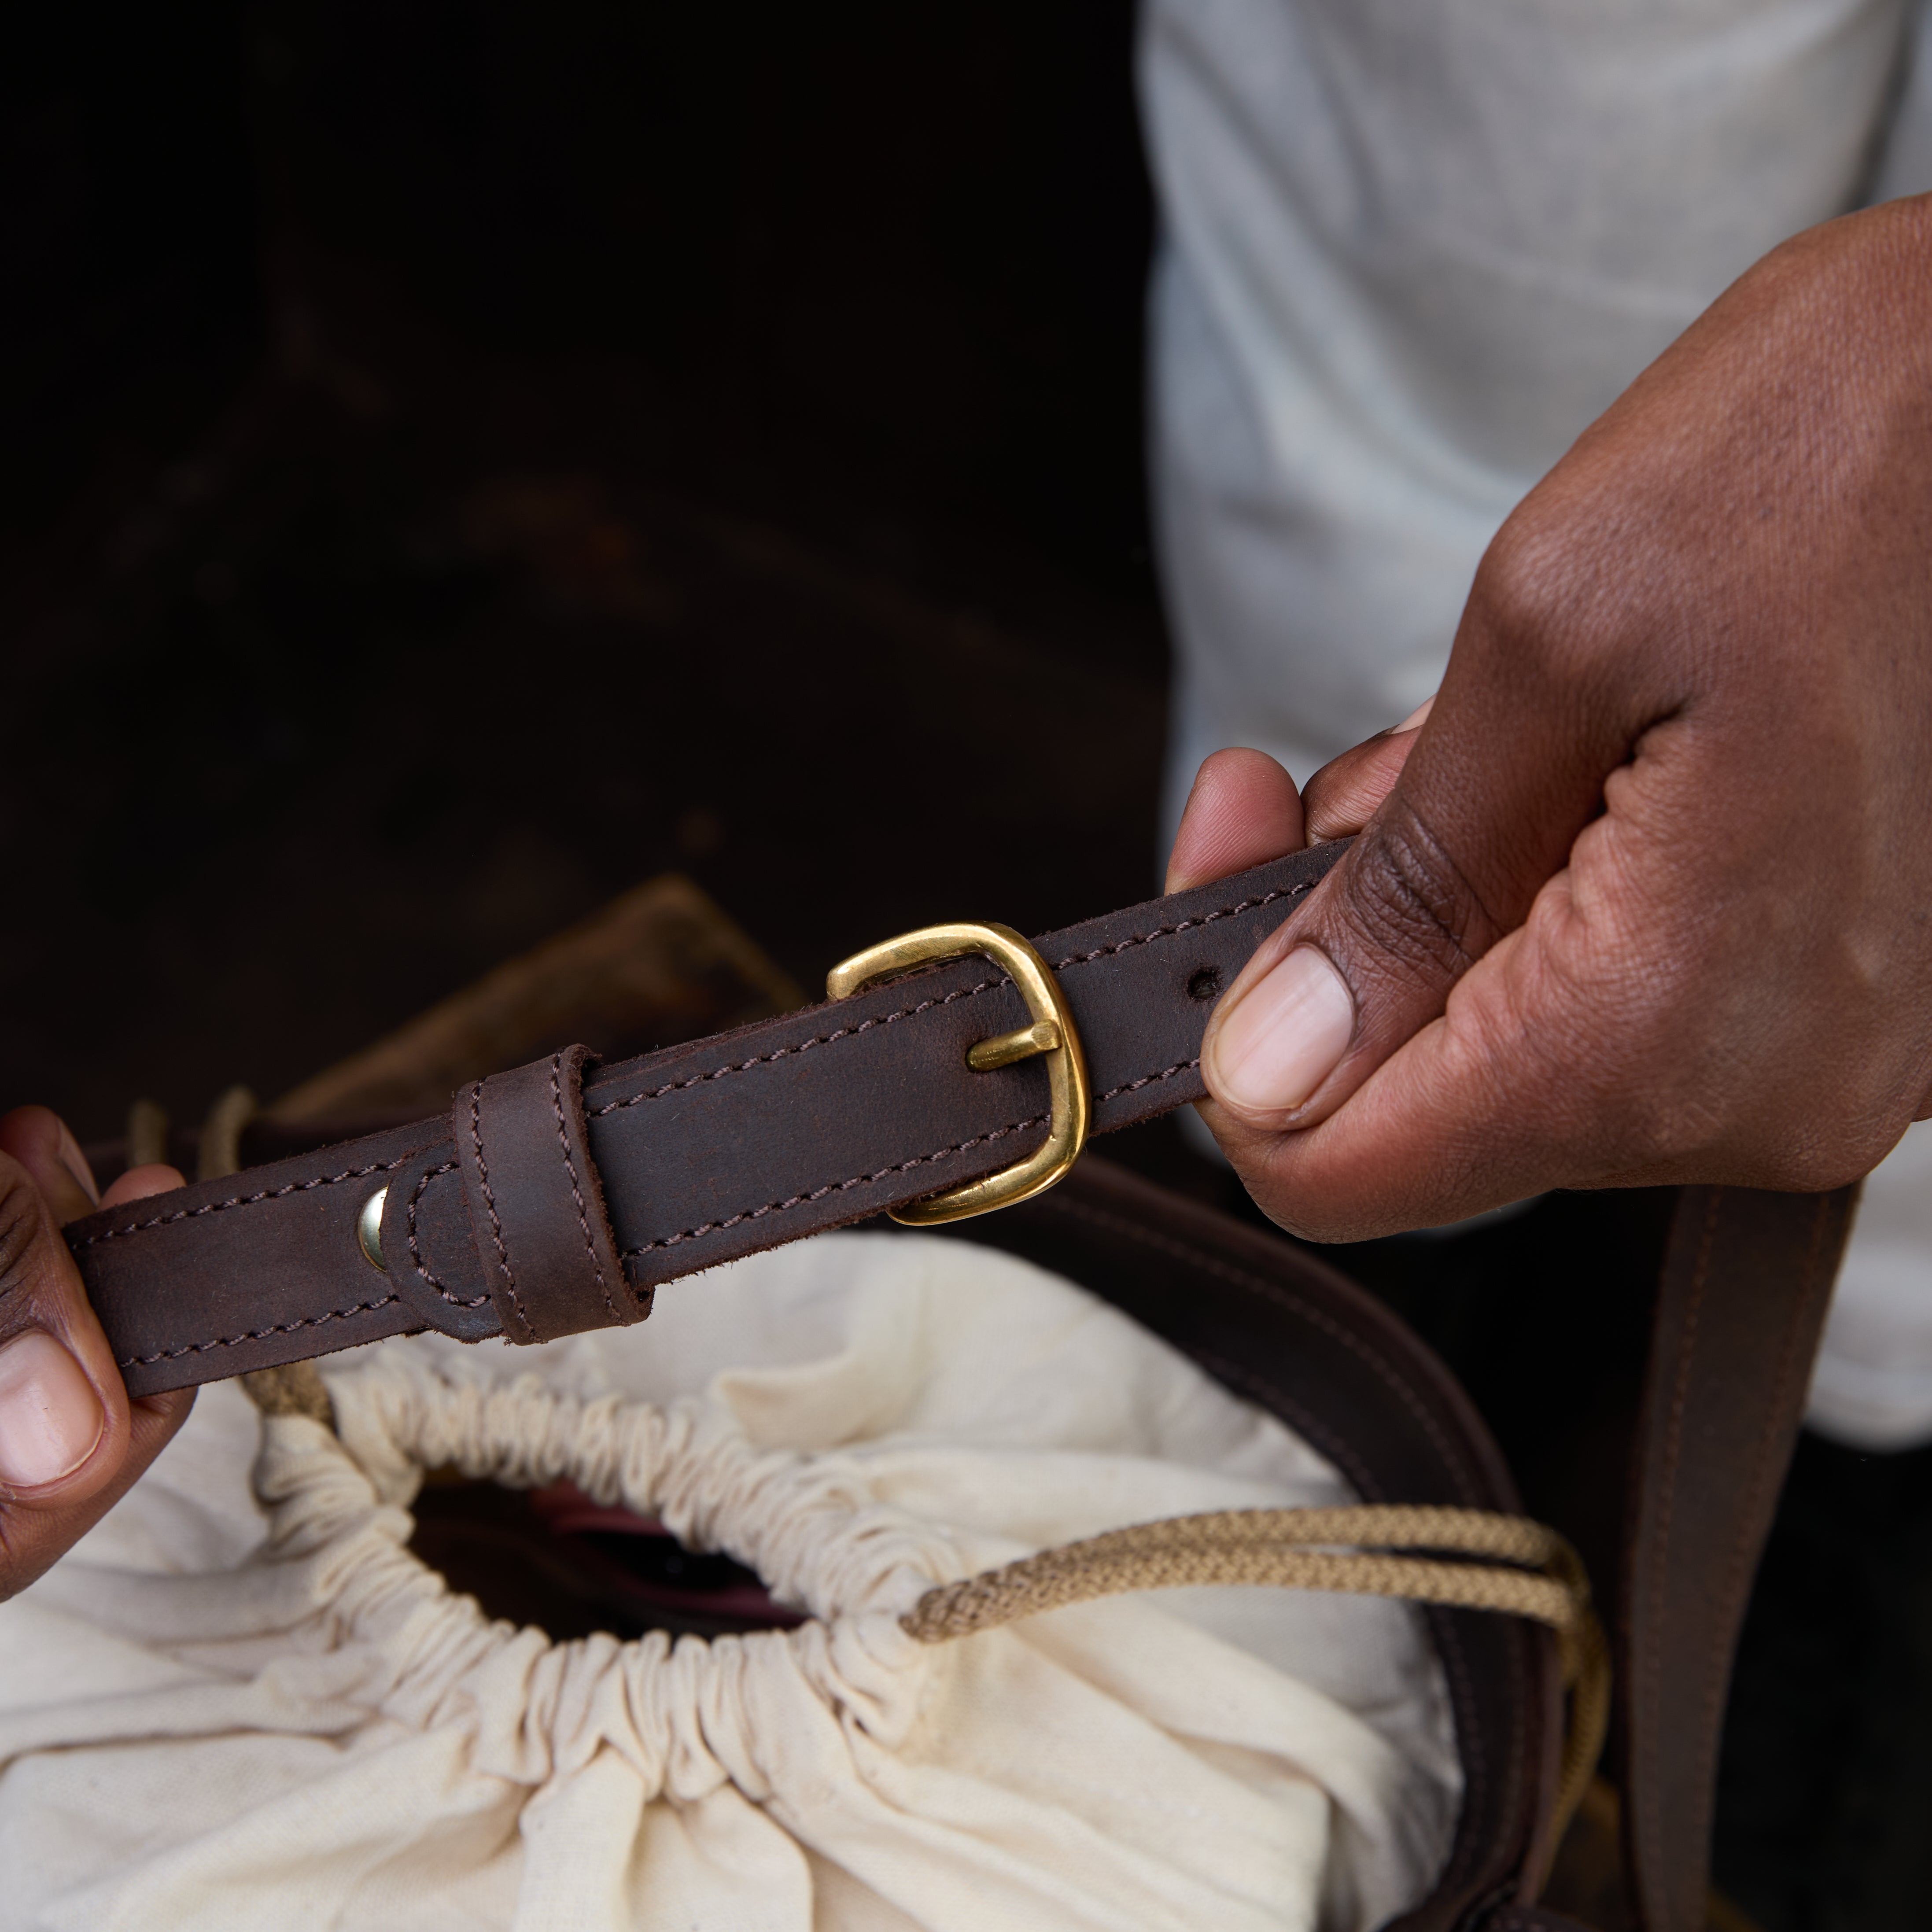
369	1228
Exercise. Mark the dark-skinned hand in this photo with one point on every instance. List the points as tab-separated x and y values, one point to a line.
1648	896
71	1442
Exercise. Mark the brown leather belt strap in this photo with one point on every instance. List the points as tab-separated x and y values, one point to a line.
552	1199
1746	1282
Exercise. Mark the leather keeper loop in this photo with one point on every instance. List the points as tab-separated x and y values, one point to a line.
704	1152
536	1203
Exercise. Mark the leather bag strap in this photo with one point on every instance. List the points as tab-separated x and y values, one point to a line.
1746	1282
489	1217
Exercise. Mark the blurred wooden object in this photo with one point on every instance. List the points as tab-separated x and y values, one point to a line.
660	964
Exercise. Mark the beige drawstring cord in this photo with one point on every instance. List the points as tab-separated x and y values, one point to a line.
219	1149
147	1134
1522	1569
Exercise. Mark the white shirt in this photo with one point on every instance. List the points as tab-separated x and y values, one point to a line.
1411	249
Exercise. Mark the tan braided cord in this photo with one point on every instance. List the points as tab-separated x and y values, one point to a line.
1418	1554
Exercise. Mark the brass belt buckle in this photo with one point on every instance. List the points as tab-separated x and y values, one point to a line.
1052	1032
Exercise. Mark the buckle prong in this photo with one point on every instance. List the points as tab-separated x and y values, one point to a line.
1050	1032
1009	1049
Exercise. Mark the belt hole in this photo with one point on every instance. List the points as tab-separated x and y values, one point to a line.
1204	983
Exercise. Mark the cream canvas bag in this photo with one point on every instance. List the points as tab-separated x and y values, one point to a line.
243	1702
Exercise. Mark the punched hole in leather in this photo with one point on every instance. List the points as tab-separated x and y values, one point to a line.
704	1152
536	1202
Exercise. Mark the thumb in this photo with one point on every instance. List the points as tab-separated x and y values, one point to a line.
70	1441
1506	771
64	1418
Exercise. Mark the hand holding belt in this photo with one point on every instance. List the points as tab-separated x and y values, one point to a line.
555	1199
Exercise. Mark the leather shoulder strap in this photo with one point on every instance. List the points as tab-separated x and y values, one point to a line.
553	1199
1747	1279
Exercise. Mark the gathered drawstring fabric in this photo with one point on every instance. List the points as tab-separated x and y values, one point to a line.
1466	1559
1462	1558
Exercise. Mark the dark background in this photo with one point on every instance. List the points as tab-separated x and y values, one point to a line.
461	459
456	461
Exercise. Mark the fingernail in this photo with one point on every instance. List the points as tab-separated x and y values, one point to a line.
1415	717
1286	1037
75	1162
50	1417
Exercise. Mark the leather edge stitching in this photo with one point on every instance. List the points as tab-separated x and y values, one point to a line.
258	1334
964	993
576	1192
917	1160
490	1202
241	1200
415	1252
834	1187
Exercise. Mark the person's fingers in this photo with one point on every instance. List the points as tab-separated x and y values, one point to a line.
63	1412
1440	872
1243	811
1645	901
1346	793
138	1183
70	1441
1439	1133
1611	607
75	1163
1566	1056
1544	697
39	1140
